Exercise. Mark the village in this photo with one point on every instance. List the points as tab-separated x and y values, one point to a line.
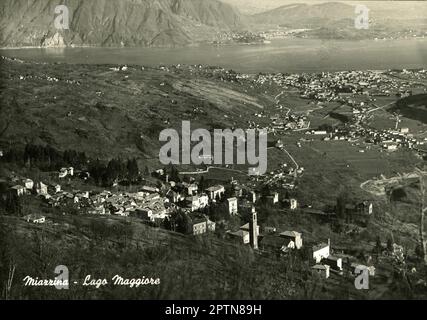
164	207
188	204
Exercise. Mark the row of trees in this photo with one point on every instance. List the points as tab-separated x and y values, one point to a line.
116	170
45	157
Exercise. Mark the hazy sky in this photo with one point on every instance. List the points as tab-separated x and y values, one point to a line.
253	6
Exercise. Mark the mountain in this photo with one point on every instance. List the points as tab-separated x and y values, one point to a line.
116	23
335	20
305	15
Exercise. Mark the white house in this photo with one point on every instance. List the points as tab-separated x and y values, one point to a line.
18	190
197	202
215	191
294	239
41	188
28	184
203	200
192	189
210	225
293	203
199	227
321	251
232	206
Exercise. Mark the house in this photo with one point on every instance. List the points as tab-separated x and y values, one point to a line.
210	225
321	251
197	202
334	262
192	189
35	218
174	196
293	239
18	190
215	192
322	270
41	188
254	196
203	200
54	188
240	236
28	184
70	171
246	227
198	227
232	206
273	199
293	204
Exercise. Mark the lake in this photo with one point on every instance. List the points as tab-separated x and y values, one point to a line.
288	55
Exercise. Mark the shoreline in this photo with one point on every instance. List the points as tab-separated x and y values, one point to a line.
195	45
203	65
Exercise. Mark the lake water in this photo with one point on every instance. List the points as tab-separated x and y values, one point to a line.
289	55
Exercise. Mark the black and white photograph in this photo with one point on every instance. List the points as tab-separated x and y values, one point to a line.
213	150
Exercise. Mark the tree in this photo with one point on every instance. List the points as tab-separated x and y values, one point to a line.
132	169
181	222
342	200
390	244
265	191
202	183
174	174
378	245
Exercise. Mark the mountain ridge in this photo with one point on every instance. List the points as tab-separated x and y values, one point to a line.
113	23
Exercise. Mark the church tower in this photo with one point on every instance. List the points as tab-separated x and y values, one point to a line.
253	230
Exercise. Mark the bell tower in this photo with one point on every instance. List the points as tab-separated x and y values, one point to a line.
253	229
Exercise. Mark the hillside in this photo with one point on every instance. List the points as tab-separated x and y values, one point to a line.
108	113
116	23
304	15
413	107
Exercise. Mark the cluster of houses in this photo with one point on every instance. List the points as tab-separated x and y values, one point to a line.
388	139
336	86
25	186
286	121
326	262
